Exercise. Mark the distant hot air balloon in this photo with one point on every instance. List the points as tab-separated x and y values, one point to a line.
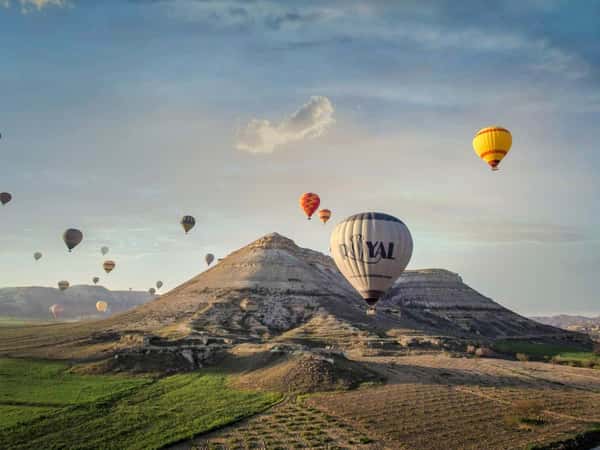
56	310
159	284
492	144
101	306
188	222
152	291
63	285
309	202
324	215
5	197
72	238
108	266
209	258
104	250
371	250
37	256
95	280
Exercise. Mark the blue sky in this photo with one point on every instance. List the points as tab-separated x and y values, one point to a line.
120	117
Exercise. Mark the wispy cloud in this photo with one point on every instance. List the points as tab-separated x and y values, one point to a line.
311	120
34	5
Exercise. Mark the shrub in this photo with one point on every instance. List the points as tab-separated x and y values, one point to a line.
484	352
529	412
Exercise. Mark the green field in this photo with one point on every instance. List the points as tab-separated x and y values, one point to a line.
559	353
17	322
43	405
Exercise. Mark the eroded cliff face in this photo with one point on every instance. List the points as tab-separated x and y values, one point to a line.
442	300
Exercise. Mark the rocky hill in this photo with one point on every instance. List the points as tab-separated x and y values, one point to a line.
274	293
440	300
78	301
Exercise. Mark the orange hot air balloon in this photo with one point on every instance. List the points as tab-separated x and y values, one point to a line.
309	202
324	215
108	266
101	306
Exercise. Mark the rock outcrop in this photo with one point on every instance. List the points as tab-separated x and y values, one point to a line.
440	299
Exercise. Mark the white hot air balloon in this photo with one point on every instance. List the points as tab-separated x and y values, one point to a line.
371	250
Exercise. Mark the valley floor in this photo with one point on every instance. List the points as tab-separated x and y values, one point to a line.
433	402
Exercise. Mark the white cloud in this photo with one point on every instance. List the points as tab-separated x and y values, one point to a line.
311	120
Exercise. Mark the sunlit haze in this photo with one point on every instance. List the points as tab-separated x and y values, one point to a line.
118	118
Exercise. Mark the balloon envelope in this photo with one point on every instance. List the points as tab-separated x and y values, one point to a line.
5	197
152	291
324	215
101	306
209	258
371	250
56	310
188	222
95	280
309	202
37	255
104	250
72	238
492	144
159	284
63	285
108	266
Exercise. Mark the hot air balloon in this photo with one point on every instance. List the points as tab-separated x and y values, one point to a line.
152	291
209	258
37	256
63	285
5	197
159	284
95	280
309	202
56	310
371	250
324	215
104	250
108	266
492	144
72	238
101	306
188	222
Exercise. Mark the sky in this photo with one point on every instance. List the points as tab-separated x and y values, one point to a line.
119	117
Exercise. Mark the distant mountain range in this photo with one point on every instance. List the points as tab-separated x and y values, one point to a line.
78	301
580	324
566	321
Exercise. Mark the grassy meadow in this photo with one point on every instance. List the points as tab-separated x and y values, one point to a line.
559	353
44	405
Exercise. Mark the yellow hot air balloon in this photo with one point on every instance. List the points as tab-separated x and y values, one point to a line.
492	144
101	306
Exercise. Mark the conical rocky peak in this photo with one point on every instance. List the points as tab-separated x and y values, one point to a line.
274	240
